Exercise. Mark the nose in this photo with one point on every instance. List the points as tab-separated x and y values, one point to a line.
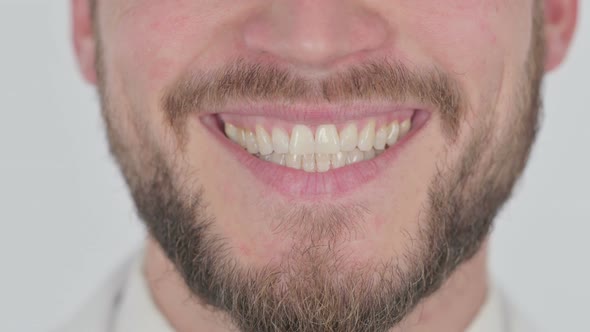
315	33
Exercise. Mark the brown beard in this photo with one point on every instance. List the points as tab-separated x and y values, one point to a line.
463	200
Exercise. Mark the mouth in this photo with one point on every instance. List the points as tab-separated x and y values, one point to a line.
310	152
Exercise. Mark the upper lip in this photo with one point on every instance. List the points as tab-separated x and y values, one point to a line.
317	113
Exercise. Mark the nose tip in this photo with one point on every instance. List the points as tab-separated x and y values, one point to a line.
314	33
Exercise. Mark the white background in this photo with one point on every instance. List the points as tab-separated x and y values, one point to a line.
67	221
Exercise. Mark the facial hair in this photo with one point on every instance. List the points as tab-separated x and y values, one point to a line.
463	199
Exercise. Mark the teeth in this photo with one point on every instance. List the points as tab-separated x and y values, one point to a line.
322	162
380	138
326	140
348	138
232	132
405	127
302	141
278	158
241	138
280	140
367	137
251	143
368	155
354	156
393	133
328	149
264	141
339	160
309	162
294	161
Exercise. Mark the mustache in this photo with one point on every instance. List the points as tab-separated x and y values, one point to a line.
376	81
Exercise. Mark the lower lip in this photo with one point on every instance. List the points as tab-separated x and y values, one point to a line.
312	185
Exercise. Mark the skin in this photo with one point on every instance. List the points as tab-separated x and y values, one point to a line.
147	45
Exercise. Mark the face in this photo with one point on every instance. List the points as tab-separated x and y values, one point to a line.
319	165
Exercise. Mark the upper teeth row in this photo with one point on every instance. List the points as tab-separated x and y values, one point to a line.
327	139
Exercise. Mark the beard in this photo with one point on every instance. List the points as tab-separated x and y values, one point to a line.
312	289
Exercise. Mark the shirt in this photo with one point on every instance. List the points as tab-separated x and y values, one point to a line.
125	304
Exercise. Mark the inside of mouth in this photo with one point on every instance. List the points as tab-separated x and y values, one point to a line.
318	147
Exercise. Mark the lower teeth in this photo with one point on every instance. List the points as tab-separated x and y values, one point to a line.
320	162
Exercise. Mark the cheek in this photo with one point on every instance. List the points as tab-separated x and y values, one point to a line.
481	43
462	46
146	47
148	53
153	41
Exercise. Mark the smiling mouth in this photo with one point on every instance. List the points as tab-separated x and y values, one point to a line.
318	148
313	153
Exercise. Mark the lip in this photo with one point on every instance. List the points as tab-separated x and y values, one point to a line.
302	185
318	113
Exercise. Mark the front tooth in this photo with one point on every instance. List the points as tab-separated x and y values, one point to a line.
251	143
280	140
309	162
322	162
231	132
367	137
354	156
393	134
339	160
405	127
302	141
278	158
348	138
293	161
368	155
380	138
326	139
264	141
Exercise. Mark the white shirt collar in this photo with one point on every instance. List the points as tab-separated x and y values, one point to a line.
138	312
